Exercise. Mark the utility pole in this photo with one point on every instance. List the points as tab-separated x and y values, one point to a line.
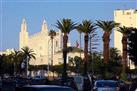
91	53
93	38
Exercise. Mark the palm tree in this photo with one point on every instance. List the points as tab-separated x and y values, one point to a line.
107	27
27	55
52	34
86	27
124	30
65	25
15	56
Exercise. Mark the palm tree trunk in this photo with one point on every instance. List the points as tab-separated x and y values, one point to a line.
26	66
65	39
14	68
80	43
124	54
85	53
106	47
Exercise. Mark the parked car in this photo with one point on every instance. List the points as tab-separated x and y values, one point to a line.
106	85
69	82
44	88
21	81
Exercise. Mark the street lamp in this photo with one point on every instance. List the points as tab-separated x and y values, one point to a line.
93	39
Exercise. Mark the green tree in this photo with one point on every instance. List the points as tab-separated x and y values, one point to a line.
86	27
65	25
77	64
6	64
15	57
107	27
95	62
27	55
132	45
115	55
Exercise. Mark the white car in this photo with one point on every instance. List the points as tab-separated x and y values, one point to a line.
106	85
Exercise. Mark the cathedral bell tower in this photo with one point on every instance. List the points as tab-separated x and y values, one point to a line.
23	35
44	28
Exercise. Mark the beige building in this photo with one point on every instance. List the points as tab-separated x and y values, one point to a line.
127	18
41	44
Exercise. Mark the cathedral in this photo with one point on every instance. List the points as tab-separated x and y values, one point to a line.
41	44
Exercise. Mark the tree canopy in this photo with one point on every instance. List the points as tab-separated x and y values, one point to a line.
132	45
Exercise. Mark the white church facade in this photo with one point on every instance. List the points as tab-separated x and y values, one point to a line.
41	44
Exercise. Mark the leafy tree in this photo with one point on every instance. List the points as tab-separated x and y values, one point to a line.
66	26
132	45
107	27
58	69
115	55
95	63
77	63
6	65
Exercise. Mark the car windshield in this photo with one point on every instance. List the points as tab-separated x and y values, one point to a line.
106	84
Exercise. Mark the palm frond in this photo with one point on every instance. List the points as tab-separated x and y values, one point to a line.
86	26
65	25
124	30
106	26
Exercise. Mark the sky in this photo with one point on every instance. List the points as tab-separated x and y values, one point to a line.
35	11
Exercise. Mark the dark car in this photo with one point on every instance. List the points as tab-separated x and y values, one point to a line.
44	88
106	85
69	82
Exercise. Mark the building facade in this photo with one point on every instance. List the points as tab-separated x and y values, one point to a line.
127	18
41	44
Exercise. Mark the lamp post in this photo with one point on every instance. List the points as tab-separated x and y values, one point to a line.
93	38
